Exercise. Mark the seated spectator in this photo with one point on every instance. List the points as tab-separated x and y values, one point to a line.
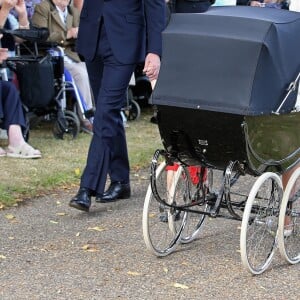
29	4
268	3
12	21
12	119
62	20
7	6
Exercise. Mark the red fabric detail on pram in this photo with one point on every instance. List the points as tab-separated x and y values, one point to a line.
174	167
193	170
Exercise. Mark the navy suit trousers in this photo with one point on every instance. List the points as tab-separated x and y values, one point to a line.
108	149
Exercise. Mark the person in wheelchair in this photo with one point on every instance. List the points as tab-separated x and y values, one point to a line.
62	20
13	16
12	119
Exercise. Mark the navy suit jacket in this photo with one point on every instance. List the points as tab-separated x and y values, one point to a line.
133	28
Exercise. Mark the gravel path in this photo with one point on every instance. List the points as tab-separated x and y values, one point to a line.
50	251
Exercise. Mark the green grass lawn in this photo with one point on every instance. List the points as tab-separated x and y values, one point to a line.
63	160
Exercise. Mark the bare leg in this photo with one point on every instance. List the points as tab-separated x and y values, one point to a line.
285	178
15	137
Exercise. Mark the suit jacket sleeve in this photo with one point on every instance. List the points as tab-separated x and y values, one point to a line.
156	21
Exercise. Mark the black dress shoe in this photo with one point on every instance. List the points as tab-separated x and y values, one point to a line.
82	200
116	191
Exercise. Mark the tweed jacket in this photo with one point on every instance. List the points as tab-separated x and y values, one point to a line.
46	15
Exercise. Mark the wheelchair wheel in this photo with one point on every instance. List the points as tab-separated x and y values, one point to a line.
133	110
159	220
186	192
66	126
260	223
289	220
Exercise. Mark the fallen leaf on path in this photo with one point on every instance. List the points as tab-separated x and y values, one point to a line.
53	222
2	257
61	214
10	217
166	270
119	226
77	171
179	285
78	234
96	228
133	273
90	248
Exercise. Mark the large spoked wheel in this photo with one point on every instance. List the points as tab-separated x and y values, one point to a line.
188	192
260	223
67	127
162	225
289	220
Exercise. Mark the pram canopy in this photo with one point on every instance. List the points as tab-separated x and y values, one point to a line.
236	60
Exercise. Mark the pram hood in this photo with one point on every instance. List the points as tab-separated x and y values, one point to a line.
230	59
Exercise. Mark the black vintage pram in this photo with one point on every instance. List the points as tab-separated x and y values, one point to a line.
226	98
43	86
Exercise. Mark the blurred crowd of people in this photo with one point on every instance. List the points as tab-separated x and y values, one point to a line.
22	14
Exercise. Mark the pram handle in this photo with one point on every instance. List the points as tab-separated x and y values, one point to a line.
33	34
292	87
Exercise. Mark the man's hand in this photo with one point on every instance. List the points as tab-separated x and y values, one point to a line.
152	66
72	33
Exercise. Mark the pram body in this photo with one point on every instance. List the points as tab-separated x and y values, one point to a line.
230	70
226	99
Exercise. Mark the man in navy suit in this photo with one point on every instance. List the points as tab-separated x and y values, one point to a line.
114	35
